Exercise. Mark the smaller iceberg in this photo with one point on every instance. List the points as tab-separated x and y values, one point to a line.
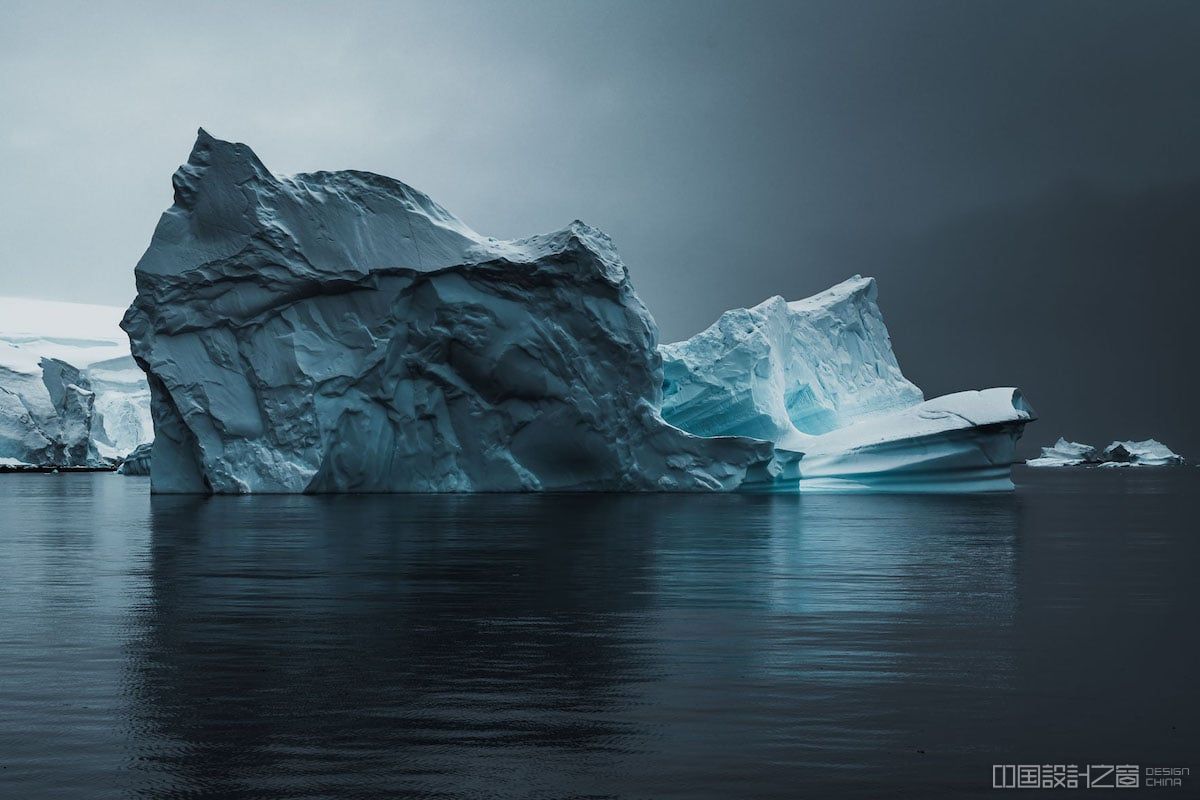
137	462
1065	454
819	380
1146	453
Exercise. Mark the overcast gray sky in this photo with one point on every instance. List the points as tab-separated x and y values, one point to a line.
1023	177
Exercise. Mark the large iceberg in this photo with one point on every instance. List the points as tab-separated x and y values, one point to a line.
70	394
819	379
340	331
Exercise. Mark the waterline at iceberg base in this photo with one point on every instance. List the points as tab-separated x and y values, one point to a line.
342	332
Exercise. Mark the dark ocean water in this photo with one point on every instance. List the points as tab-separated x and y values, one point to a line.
593	646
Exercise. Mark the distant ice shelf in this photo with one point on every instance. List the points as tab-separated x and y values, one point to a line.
70	393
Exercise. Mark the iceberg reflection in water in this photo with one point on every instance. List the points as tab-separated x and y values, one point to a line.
614	645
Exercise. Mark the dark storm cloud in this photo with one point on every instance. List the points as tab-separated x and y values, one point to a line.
1022	177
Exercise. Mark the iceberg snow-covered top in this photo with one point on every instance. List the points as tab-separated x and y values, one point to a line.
855	289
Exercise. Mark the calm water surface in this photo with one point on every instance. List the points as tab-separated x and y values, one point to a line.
592	646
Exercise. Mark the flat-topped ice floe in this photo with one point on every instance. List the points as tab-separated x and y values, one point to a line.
960	442
342	332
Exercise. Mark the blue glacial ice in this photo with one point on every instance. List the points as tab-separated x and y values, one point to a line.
342	332
818	378
787	372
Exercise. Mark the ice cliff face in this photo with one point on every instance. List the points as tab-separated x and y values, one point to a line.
70	394
818	378
340	331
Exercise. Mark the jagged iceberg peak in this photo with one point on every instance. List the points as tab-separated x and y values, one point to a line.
787	371
233	216
229	206
340	331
